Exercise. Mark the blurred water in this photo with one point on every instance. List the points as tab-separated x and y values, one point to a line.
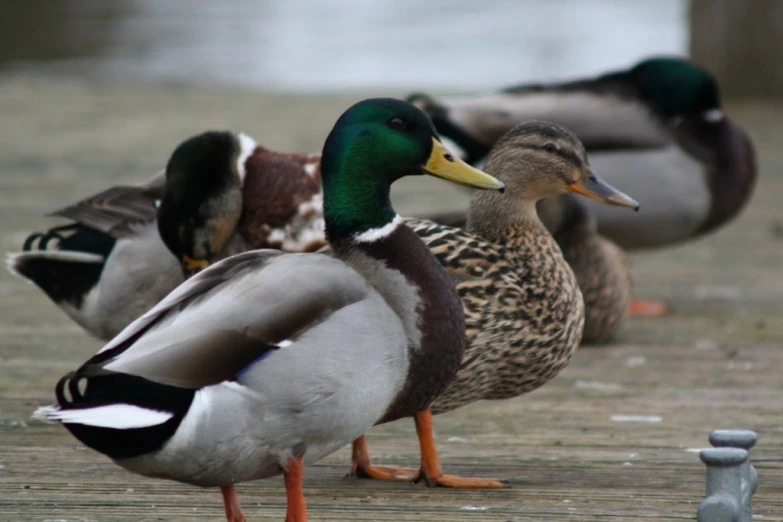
317	45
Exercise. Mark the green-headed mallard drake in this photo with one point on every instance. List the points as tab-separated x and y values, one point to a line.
600	266
110	265
267	360
656	129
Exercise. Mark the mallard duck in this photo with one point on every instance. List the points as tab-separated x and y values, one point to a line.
110	265
657	129
267	360
600	266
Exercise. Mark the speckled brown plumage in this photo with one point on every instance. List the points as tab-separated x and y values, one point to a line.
600	266
523	309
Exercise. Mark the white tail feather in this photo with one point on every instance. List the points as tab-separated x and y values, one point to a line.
117	416
14	259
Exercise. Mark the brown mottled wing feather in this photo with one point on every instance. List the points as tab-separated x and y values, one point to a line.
464	255
118	210
219	321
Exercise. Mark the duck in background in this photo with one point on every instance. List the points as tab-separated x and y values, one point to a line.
109	265
523	306
268	360
656	129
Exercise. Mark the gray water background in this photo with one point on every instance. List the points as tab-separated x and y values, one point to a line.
317	46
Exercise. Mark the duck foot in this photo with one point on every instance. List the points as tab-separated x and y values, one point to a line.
457	482
296	510
430	473
231	503
648	307
362	467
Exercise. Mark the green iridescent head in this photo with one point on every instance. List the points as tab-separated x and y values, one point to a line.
373	144
676	86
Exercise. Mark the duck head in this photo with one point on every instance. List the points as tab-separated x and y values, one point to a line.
677	88
374	143
202	201
537	160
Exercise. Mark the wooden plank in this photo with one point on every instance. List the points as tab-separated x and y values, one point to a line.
740	42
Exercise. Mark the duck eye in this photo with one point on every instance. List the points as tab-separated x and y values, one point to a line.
550	147
397	123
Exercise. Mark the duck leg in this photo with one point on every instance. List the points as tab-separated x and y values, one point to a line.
431	472
296	510
362	467
648	307
231	503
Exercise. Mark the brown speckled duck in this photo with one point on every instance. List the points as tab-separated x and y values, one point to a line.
600	266
523	307
109	265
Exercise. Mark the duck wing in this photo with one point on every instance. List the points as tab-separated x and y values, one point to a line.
118	210
465	256
210	328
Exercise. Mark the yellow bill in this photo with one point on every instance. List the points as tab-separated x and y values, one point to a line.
193	266
443	164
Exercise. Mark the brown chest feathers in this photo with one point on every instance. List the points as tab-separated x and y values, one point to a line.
283	205
523	310
420	291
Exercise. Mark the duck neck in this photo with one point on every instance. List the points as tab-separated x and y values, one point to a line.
354	202
730	161
492	215
365	232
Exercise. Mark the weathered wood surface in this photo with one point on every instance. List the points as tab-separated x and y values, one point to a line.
715	363
741	42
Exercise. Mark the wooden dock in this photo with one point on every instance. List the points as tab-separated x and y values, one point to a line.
614	437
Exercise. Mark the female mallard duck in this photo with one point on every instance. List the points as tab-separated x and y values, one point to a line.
657	129
267	360
110	265
600	266
523	308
